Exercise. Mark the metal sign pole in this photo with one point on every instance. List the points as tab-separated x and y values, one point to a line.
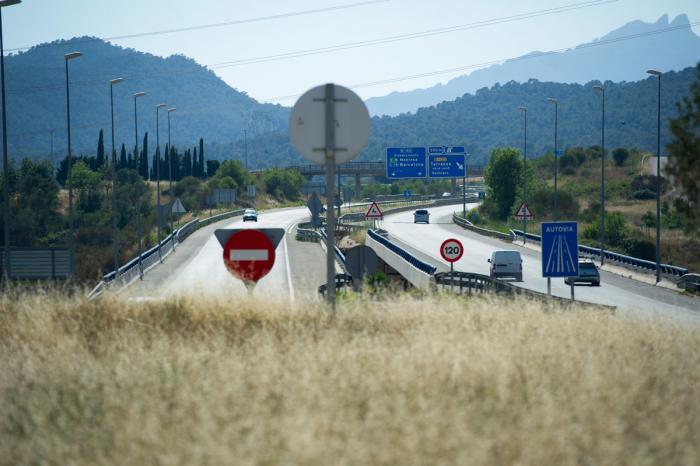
549	286
572	291
330	211
452	277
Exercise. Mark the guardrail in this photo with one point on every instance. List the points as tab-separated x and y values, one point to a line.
131	270
475	282
690	282
464	223
341	280
591	252
338	253
405	255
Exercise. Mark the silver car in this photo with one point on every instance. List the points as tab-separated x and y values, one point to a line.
250	214
421	216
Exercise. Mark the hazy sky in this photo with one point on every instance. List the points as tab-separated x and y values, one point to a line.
37	21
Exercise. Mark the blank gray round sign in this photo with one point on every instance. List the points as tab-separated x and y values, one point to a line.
307	125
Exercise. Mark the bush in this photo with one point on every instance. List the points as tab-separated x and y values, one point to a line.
620	156
639	247
644	194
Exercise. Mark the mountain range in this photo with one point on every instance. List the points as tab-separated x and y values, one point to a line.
621	55
478	110
206	106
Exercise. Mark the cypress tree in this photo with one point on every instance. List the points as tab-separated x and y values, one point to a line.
122	158
100	150
201	158
143	169
195	164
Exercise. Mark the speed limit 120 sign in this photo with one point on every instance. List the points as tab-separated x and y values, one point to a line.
451	250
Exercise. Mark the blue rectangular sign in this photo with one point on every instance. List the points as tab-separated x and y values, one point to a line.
405	162
446	162
560	249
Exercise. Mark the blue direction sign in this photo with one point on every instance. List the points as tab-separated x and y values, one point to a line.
446	162
407	194
560	249
405	162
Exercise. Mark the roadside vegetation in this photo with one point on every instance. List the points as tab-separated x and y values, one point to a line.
386	381
39	199
630	192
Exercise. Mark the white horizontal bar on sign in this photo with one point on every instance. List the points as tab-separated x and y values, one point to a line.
248	255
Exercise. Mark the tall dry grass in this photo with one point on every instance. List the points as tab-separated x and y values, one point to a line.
403	381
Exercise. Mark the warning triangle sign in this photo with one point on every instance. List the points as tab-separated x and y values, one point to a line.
374	212
523	212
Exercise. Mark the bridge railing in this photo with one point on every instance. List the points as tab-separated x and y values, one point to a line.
590	252
131	270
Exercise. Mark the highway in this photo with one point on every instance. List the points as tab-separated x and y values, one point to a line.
197	268
630	296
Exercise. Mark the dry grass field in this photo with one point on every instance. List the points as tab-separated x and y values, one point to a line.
435	380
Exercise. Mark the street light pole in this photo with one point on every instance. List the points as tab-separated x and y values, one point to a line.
5	166
245	147
556	155
138	165
170	172
158	107
115	230
524	110
658	176
602	177
69	179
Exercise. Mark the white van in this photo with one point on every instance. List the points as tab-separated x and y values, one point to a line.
506	264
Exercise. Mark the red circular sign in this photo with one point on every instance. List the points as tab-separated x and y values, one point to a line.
451	250
249	255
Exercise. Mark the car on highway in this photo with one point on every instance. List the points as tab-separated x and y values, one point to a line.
250	214
421	216
587	273
506	264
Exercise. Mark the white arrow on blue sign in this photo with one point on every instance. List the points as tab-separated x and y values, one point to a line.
446	162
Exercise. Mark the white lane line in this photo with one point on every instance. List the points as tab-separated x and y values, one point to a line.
286	261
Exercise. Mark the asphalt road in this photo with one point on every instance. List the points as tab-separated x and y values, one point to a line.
630	296
197	268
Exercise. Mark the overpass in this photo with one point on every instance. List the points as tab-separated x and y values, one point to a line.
359	169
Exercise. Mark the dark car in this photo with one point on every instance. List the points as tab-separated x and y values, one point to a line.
587	273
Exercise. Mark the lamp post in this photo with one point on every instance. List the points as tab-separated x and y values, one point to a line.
138	199
170	171
5	167
71	236
601	89
158	107
556	155
524	110
658	176
115	230
245	147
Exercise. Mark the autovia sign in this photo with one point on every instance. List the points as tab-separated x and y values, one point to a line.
560	249
446	162
405	162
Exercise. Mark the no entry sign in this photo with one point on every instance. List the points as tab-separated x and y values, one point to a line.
451	250
249	255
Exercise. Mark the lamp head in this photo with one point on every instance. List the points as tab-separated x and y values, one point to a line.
552	100
654	72
116	81
597	87
170	110
72	55
5	3
159	106
522	109
139	94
